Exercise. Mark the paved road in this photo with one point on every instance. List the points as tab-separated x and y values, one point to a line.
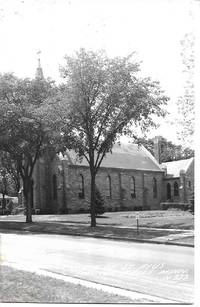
160	270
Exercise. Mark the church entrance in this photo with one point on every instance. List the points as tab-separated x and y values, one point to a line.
168	191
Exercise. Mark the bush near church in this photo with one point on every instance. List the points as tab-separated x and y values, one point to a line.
99	203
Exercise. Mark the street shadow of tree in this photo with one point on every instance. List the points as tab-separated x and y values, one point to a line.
79	230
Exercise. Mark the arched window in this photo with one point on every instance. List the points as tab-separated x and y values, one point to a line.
155	192
133	194
108	187
169	191
54	187
176	189
81	193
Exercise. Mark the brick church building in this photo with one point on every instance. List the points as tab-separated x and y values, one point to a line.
129	179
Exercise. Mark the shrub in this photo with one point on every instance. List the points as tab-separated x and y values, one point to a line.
164	206
61	211
81	210
181	206
109	209
146	208
65	211
138	208
123	208
47	211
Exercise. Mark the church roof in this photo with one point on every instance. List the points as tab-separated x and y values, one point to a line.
124	156
174	167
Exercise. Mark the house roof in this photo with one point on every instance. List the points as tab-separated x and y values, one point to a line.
174	167
124	156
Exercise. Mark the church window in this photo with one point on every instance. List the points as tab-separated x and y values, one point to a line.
108	187
176	189
168	191
155	191
54	187
133	195
81	193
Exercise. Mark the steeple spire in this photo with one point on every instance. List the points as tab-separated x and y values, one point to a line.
39	73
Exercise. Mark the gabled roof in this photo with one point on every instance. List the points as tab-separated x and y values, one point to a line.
124	156
174	167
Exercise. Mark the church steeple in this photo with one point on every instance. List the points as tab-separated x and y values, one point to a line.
39	73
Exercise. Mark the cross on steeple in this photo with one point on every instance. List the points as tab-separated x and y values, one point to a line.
39	52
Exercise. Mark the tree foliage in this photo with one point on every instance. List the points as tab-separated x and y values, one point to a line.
101	99
10	166
24	134
186	101
6	184
168	150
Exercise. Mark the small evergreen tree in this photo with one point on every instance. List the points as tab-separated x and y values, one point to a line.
99	203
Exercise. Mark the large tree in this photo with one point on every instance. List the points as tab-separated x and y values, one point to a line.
168	150
101	99
23	132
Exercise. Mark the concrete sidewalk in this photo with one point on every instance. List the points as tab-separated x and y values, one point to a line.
148	235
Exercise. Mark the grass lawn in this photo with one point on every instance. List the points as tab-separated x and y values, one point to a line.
166	219
17	286
176	219
110	225
79	229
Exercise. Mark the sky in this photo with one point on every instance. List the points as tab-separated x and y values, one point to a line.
151	28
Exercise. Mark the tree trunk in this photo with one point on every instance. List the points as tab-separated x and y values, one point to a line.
27	198
92	200
3	203
29	209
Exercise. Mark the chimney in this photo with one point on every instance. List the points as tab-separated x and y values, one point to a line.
164	168
156	141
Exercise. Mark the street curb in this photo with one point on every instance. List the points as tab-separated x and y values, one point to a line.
94	285
104	237
142	241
